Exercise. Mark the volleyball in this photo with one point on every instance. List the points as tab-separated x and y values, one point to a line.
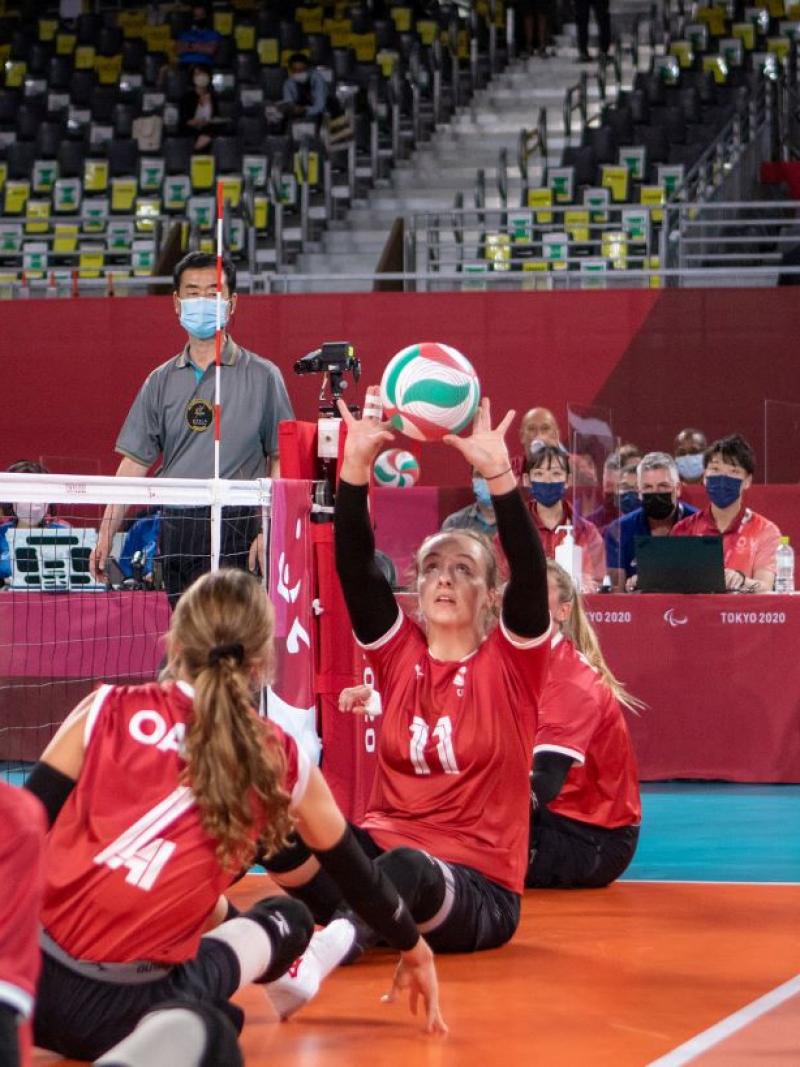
429	390
396	468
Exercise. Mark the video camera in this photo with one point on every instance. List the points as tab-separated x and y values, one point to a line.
334	359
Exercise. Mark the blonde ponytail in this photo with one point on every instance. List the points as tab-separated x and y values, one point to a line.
582	635
221	638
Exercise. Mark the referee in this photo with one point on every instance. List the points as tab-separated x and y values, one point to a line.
172	418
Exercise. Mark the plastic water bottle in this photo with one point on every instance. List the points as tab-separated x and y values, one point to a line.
784	567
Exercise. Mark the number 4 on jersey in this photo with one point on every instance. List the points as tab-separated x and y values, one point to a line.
443	732
140	849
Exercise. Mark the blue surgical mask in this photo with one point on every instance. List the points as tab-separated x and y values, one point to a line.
481	490
690	468
548	493
629	501
199	316
723	489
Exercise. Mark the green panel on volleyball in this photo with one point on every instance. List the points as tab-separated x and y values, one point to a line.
429	390
396	468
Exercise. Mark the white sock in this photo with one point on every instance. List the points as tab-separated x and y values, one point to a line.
326	950
251	944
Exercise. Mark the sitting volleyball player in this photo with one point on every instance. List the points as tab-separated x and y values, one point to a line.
158	796
448	815
585	788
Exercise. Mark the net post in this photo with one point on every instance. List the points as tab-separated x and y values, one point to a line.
216	508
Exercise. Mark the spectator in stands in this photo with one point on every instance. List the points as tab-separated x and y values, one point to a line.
173	417
198	45
538	427
198	108
688	449
659	487
548	478
620	493
749	541
603	17
629	453
584	786
305	92
24	515
479	515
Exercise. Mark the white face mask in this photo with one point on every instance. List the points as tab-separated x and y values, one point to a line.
690	466
301	76
30	514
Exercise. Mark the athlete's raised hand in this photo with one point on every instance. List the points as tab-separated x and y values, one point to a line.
416	972
485	449
366	437
356	698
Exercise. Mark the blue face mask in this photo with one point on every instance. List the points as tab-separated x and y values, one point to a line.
723	489
548	494
629	501
690	467
199	316
481	491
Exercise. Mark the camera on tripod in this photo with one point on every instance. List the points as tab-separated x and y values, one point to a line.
334	357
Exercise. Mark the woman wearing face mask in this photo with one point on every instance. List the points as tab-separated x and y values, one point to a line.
584	785
749	540
24	515
547	482
198	108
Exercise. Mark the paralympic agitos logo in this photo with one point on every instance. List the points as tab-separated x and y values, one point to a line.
673	619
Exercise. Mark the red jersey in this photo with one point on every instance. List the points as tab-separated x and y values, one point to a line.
580	717
22	829
748	545
131	873
454	749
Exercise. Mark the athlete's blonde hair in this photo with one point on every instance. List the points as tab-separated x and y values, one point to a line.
581	633
221	638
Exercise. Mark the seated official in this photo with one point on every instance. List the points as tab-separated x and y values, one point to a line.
620	492
24	515
659	487
749	541
585	807
538	428
688	449
547	480
478	516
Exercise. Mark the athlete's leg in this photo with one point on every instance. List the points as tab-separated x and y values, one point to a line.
178	1033
566	854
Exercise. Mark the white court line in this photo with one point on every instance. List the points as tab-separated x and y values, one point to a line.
692	1048
695	881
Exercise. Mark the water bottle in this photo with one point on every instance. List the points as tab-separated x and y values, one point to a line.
784	567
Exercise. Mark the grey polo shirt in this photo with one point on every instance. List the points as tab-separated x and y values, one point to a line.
173	417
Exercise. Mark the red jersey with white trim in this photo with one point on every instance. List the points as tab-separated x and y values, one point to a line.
748	545
580	717
130	872
22	829
454	749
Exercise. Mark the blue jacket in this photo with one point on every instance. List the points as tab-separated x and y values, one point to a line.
620	537
141	537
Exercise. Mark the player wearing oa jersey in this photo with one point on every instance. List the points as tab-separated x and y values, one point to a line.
585	795
160	795
448	815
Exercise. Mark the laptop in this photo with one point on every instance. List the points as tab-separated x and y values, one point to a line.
680	565
52	559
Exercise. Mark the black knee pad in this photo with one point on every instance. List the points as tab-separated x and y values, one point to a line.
289	925
291	856
418	879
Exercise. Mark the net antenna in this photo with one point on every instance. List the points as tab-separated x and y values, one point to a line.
216	507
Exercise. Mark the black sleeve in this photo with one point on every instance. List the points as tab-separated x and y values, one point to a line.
9	1044
370	602
51	787
525	610
550	770
369	892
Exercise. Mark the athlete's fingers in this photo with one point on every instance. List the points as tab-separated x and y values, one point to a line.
506	422
347	416
413	1000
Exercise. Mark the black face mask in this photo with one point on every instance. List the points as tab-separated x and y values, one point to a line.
658	505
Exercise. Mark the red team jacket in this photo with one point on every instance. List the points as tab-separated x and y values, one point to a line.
580	717
130	872
455	749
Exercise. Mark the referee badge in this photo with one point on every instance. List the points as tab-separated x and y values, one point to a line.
199	415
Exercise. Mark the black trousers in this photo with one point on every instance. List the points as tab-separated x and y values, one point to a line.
603	16
185	544
567	854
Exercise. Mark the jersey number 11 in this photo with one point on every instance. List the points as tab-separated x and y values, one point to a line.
443	732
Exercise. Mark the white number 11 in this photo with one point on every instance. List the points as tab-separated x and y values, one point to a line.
443	732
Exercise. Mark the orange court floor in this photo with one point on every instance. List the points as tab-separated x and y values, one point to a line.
618	977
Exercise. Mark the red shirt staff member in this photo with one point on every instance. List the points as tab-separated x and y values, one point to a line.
22	830
585	789
749	541
159	795
448	814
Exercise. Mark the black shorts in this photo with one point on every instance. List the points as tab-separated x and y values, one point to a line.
82	1017
568	854
185	544
483	914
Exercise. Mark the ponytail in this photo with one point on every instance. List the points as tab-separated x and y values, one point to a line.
583	636
221	637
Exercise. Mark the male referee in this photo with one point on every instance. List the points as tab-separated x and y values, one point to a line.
172	418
